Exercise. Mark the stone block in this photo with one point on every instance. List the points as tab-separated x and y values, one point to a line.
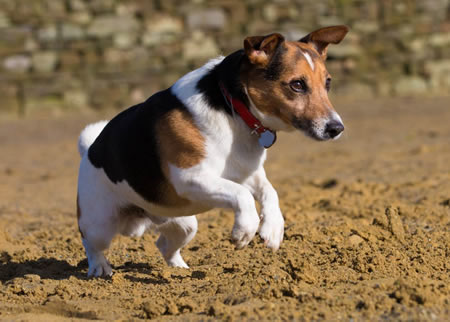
199	47
43	106
162	29
270	13
17	63
82	18
44	61
108	25
418	46
366	27
355	90
48	33
412	85
13	39
162	23
91	58
105	94
208	19
113	56
54	8
439	75
10	99
151	39
440	39
124	40
325	21
4	20
31	45
70	60
101	6
139	57
345	50
75	99
71	31
77	5
259	27
127	8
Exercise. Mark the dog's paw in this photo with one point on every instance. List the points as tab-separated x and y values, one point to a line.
244	230
272	230
100	269
177	261
173	259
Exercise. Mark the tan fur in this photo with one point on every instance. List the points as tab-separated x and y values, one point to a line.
169	196
181	144
322	37
266	47
180	141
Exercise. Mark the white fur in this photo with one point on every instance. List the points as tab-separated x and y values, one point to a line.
233	157
335	116
230	176
309	60
88	136
100	201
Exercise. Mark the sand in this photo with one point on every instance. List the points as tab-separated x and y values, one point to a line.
367	230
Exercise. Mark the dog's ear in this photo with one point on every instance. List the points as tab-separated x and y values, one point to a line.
322	37
260	49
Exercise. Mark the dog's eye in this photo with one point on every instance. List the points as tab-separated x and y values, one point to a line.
299	86
328	84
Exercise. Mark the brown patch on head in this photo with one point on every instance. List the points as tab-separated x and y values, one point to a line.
276	97
290	88
261	49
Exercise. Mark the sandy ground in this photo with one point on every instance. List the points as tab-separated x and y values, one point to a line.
367	230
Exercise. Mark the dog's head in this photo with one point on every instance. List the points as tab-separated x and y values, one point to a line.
287	82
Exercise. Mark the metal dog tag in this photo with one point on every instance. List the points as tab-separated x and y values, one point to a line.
267	139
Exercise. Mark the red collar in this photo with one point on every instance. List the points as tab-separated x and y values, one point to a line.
266	136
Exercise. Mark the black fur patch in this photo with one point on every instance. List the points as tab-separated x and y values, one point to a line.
275	68
127	148
226	72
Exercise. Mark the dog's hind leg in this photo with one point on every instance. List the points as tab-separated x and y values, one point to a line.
97	226
175	234
97	233
97	221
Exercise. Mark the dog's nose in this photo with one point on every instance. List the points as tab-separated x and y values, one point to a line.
334	128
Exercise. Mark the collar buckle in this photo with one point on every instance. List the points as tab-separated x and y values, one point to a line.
266	137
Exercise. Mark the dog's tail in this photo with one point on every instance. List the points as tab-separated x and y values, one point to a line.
88	136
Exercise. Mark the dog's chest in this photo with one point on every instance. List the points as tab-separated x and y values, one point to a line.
234	158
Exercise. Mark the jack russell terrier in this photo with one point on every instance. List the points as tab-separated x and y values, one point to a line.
201	144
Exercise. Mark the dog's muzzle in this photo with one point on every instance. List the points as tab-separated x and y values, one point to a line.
322	129
333	128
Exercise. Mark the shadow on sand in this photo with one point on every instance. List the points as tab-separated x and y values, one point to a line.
51	268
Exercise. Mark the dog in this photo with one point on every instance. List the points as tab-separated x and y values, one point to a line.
201	144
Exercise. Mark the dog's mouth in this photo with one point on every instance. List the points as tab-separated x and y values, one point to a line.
310	129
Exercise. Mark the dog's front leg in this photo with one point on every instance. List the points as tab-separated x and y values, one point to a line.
216	192
272	226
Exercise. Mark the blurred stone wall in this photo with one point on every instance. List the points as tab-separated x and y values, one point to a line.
57	55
